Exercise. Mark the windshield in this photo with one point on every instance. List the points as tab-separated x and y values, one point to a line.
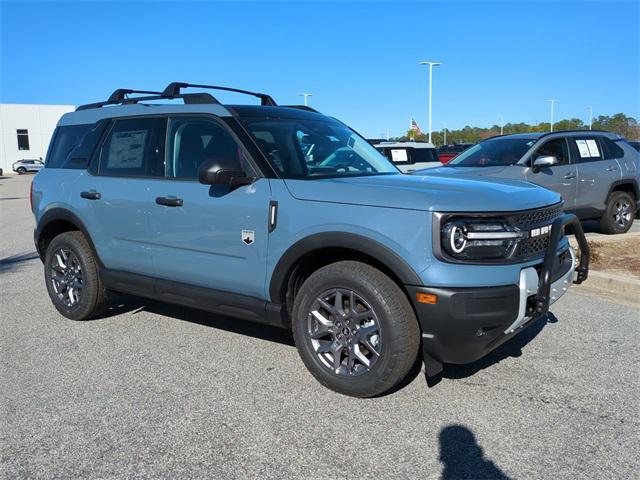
302	148
501	151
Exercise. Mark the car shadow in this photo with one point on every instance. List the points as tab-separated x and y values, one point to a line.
14	261
122	304
510	349
463	458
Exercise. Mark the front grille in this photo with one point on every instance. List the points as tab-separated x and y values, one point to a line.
532	246
534	218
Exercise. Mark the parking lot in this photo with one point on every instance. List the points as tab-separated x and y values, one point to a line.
156	391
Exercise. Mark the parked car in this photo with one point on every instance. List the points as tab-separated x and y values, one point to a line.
242	211
635	145
24	166
409	156
595	172
448	152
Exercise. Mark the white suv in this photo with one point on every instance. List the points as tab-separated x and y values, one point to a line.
24	166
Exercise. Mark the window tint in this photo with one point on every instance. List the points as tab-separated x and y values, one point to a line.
133	148
424	155
588	149
556	147
23	139
196	140
64	140
610	150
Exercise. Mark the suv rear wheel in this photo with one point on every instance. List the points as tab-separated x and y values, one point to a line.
355	329
71	276
618	217
21	170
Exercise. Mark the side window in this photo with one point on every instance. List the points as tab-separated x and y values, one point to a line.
588	149
556	147
133	148
195	140
610	150
64	140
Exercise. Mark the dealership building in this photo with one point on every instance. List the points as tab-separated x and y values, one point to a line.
26	131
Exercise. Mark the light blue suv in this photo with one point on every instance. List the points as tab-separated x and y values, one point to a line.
281	215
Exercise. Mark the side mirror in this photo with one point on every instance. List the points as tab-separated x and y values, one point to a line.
545	161
222	172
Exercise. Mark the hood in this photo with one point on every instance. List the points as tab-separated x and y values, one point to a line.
475	171
426	192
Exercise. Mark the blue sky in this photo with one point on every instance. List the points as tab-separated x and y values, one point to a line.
359	59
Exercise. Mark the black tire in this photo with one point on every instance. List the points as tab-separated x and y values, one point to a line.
21	170
398	339
619	214
93	296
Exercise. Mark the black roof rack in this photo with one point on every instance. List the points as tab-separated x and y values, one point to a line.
173	91
118	96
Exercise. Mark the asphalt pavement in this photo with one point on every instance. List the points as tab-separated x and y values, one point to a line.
156	391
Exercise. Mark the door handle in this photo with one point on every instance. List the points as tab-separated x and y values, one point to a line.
91	195
569	176
611	168
169	201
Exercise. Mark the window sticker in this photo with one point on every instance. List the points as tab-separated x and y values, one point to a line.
126	149
399	155
593	148
583	148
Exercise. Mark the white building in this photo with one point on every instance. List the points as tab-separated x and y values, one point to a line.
25	131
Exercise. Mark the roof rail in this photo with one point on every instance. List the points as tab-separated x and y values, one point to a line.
173	91
118	96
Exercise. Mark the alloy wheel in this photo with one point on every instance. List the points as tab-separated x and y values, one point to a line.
622	214
66	277
345	332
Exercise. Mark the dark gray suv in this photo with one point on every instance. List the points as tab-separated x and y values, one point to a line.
597	173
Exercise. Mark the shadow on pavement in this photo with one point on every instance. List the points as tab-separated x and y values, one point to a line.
463	458
512	348
130	304
14	261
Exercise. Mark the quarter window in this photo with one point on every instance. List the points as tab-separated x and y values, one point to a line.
610	150
23	139
134	148
193	141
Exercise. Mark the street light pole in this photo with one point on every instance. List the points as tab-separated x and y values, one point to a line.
553	102
306	96
501	124
590	116
445	134
431	65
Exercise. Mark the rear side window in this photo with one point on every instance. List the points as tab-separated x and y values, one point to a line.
610	150
133	148
424	155
588	149
64	140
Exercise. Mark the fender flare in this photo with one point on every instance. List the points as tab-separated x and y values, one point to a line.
59	213
351	241
623	182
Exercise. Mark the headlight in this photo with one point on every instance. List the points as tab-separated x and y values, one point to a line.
478	238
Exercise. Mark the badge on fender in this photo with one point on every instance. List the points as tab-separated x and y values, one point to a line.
248	236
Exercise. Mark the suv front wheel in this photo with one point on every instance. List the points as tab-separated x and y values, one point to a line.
355	329
618	217
71	276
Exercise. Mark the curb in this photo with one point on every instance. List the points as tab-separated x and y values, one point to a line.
623	289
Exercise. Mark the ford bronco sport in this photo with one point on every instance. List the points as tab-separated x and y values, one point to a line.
285	216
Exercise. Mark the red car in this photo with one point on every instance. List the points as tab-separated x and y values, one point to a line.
447	152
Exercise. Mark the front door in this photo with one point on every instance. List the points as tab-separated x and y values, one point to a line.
209	236
561	177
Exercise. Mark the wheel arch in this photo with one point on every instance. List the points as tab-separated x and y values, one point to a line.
317	250
57	221
629	186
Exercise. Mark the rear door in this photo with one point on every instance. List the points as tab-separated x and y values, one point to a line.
209	236
596	173
562	177
115	199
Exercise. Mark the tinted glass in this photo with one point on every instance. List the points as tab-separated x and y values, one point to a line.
554	148
64	140
195	140
424	155
610	149
303	148
588	149
134	147
23	139
501	151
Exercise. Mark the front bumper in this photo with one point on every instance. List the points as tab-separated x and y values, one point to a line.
467	323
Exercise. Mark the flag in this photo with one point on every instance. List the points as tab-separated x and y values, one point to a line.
414	126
